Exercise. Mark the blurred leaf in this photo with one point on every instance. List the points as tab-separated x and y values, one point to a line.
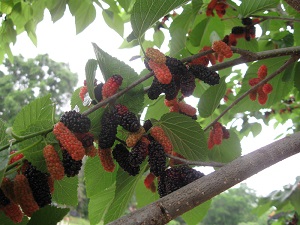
211	98
50	215
156	109
109	66
65	191
114	21
186	136
289	73
143	195
158	38
146	13
249	7
194	216
229	150
7	221
297	78
3	136
58	10
84	15
90	74
30	28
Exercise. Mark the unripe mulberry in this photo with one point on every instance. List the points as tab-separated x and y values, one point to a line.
121	155
7	186
68	141
203	60
262	98
156	158
109	124
187	84
51	184
53	162
106	159
156	55
134	137
171	102
38	182
15	158
76	122
159	135
149	180
13	212
139	152
173	161
130	122
222	48
82	93
218	133
120	110
252	95
161	72
205	74
187	109
71	166
254	81
24	195
267	88
111	86
91	151
262	72
211	143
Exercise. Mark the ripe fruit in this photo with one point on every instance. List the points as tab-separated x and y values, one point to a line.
109	124
134	137
54	165
187	84
71	166
205	74
156	158
139	152
76	122
111	86
130	122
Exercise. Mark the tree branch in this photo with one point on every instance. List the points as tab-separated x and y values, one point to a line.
203	189
196	163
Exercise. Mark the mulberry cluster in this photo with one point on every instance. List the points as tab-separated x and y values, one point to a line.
217	134
156	158
71	166
205	74
111	86
121	155
263	90
219	5
221	50
76	122
38	182
106	159
175	178
53	163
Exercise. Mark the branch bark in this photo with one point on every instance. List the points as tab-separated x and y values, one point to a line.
203	189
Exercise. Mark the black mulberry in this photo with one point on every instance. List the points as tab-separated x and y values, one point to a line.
4	201
121	155
187	84
147	125
247	21
138	153
155	89
109	124
38	182
130	122
205	74
98	92
156	158
76	122
87	139
71	166
238	30
170	90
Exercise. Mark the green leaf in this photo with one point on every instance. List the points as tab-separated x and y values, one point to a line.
114	21
156	109
90	74
99	203
194	216
126	4
30	28
158	38
50	215
58	10
84	15
146	13
295	200
3	136
249	7
211	98
186	136
38	110
65	191
7	221
289	73
229	150
96	176
4	158
109	66
143	195
297	78
125	186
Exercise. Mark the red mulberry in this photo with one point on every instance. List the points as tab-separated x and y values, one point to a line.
54	165
156	55
149	180
156	158
187	109
222	48
161	72
134	137
13	212
68	141
76	122
83	92
267	88
7	186
159	135
24	195
106	159
218	133
71	166
15	158
111	86
211	142
262	72
121	155
87	139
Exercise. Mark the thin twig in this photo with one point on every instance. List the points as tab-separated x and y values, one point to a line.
196	163
282	68
276	18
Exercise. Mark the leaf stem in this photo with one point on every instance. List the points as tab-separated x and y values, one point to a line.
276	18
21	138
196	163
282	68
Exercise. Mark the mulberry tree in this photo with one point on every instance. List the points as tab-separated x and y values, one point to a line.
135	135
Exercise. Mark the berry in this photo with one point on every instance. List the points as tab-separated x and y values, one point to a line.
238	31
121	155
262	98
139	152
218	133
222	49
109	124
98	92
7	186
187	109
171	102
87	139
121	109
111	86
232	40
203	60
4	201
149	180
187	84
254	81
267	88
83	91
51	184
226	133
252	95
210	7
173	161
130	122
71	166
262	72
106	159
134	137
24	195
15	158
205	74
247	21
54	165
211	143
170	90
147	125
156	158
156	55
159	135
155	89
13	212
91	151
68	141
38	182
161	72
76	122
176	67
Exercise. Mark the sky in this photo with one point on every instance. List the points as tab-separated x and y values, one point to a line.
60	42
